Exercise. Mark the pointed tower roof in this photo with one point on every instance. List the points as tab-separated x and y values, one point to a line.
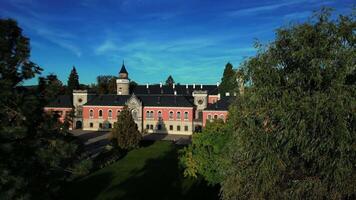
123	69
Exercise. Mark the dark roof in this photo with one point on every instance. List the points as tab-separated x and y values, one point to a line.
62	101
222	104
165	101
123	70
157	100
182	90
108	100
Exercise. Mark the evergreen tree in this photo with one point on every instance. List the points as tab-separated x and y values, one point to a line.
34	151
125	133
228	81
73	81
106	84
170	80
50	87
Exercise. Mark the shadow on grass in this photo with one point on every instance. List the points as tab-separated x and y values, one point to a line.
161	178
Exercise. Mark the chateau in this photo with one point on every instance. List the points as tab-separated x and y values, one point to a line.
165	109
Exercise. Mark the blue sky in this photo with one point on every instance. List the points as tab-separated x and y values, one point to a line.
191	40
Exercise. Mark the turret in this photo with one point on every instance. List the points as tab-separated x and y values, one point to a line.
122	83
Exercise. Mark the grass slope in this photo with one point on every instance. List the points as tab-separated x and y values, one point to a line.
147	173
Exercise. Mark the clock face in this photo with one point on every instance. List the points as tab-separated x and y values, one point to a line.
200	101
80	100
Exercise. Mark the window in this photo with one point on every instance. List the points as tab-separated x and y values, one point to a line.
110	125
186	128
178	115
178	128
159	127
159	115
209	117
80	100
147	126
215	116
91	125
110	114
148	114
185	115
171	127
151	127
151	114
170	115
100	114
91	113
134	114
222	117
100	125
80	113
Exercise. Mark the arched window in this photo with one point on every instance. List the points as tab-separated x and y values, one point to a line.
100	114
151	114
110	113
171	115
148	114
91	113
134	114
222	117
159	115
215	116
185	115
209	117
178	115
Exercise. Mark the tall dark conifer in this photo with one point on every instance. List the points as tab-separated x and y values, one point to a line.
228	81
170	80
73	81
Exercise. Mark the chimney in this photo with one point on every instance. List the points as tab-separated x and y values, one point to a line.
160	84
174	85
219	96
201	86
147	85
186	86
217	83
175	93
227	94
194	86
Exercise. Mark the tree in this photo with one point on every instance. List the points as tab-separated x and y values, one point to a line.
34	151
106	84
125	132
206	154
170	81
228	81
73	81
50	87
294	126
132	86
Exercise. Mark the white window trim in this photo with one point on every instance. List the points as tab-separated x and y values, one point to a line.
186	119
110	117
180	115
100	117
169	115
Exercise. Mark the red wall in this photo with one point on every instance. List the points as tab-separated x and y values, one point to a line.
105	110
212	99
63	110
212	113
165	113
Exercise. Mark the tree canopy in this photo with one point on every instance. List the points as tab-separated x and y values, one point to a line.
73	81
293	128
170	80
228	81
125	133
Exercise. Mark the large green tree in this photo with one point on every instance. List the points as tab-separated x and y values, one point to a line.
34	151
125	133
106	84
294	126
73	81
170	81
50	87
228	81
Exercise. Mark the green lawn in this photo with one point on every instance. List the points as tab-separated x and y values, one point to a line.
150	172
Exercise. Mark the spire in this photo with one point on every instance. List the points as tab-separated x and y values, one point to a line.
123	69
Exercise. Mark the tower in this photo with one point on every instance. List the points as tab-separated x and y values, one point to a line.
122	83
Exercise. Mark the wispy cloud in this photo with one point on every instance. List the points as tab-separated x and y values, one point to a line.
108	46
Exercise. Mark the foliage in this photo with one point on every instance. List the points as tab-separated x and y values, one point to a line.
170	81
73	81
294	128
228	81
132	86
106	84
34	151
125	133
205	155
50	87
